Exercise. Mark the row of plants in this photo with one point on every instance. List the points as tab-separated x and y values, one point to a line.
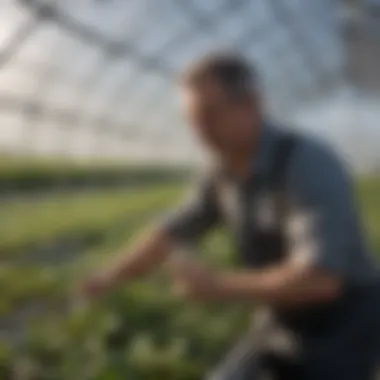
23	177
28	224
140	332
22	284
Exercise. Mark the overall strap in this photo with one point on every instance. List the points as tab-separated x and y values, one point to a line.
282	160
265	243
280	170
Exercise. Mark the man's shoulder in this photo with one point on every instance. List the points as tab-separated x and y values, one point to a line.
317	167
307	146
314	152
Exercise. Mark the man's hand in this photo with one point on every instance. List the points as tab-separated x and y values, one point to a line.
96	286
195	282
147	254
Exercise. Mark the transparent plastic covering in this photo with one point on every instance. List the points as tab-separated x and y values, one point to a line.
96	77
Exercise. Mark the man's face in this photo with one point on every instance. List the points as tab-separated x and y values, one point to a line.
222	123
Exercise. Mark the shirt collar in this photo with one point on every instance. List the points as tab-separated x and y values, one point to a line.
262	157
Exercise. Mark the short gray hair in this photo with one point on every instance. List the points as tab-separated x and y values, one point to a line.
231	71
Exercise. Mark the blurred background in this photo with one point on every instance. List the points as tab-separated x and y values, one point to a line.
92	146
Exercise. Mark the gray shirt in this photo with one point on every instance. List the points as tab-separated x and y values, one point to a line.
322	224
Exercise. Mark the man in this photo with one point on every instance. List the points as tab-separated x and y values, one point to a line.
287	201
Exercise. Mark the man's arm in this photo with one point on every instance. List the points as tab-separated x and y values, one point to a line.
194	217
286	284
326	246
147	253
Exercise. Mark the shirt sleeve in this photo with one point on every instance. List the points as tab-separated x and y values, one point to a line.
197	214
323	225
